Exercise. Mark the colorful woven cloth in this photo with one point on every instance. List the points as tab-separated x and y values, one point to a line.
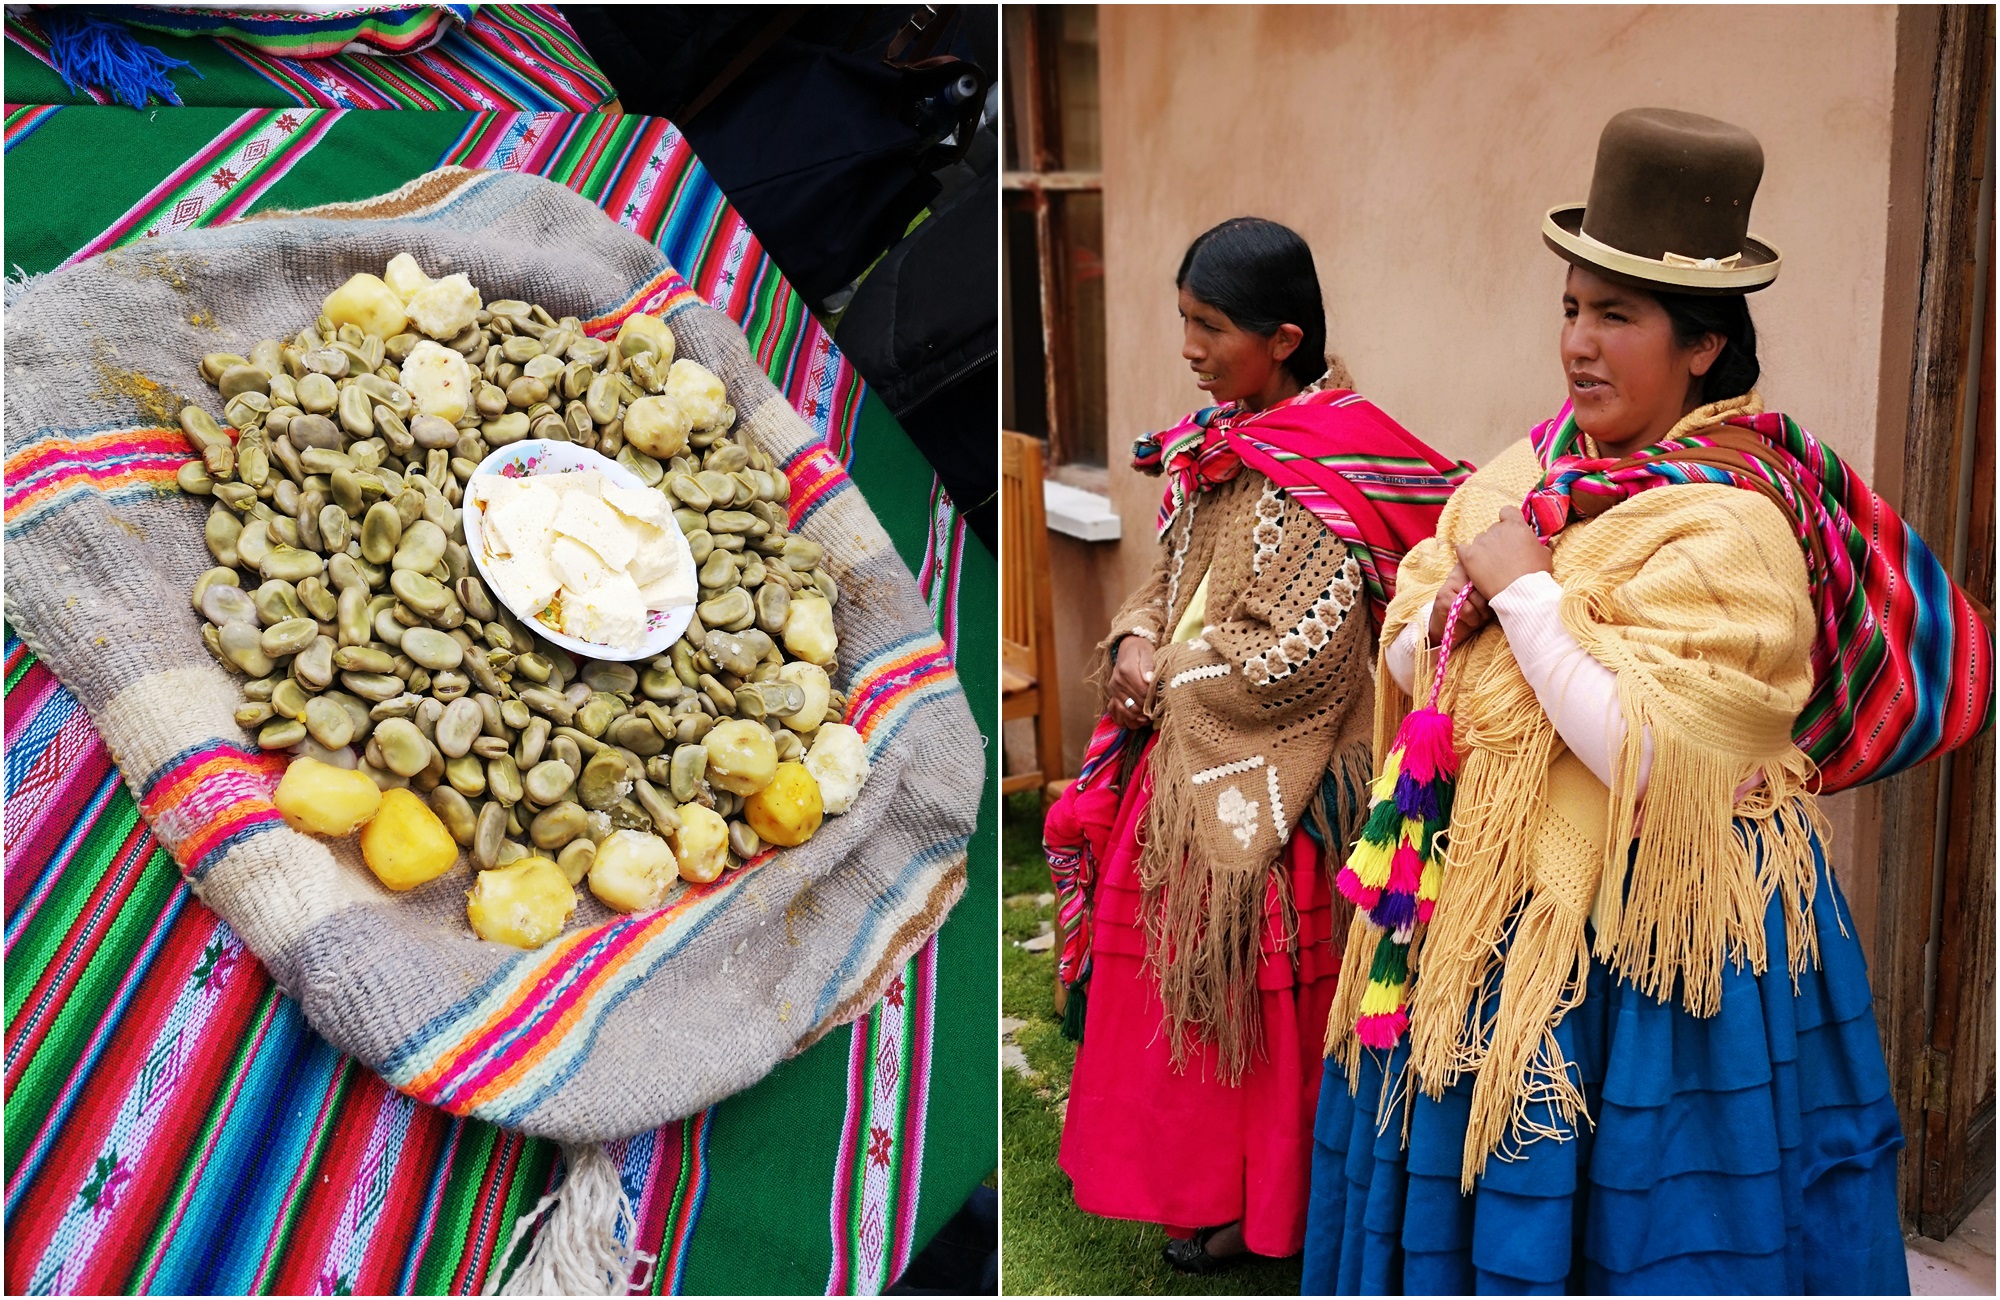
506	56
1902	666
171	1123
1076	839
1370	481
312	31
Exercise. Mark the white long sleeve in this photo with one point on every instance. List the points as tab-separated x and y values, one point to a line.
1402	656
1579	694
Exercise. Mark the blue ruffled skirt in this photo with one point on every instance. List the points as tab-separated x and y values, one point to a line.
1750	1153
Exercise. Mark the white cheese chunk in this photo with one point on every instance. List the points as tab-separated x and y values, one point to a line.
523	521
587	519
655	556
579	567
613	614
525	581
643	505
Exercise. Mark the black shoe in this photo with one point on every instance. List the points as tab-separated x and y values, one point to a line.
1190	1254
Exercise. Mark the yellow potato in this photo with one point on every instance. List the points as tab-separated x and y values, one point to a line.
406	844
787	811
698	391
809	630
522	904
405	276
322	799
657	426
366	301
701	845
445	307
812	680
641	330
438	380
633	871
838	760
741	756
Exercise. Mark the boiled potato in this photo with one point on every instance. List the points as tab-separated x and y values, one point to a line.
438	380
405	276
812	680
657	426
633	871
406	844
741	756
787	811
445	307
809	629
838	760
642	332
701	845
366	301
322	799
523	904
698	392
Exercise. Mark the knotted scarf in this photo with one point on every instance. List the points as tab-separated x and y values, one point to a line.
1369	480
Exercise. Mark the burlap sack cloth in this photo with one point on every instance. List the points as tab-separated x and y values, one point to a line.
640	1020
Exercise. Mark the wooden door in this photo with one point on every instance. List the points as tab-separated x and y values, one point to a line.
1934	910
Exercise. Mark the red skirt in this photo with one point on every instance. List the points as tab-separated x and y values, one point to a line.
1142	1140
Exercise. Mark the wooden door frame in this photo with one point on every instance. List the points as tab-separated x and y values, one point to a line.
1944	79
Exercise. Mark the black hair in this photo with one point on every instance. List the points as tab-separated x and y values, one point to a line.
1694	315
1260	274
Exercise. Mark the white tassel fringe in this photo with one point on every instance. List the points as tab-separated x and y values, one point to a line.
585	1245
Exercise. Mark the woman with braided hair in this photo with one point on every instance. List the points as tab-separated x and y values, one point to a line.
1189	856
1627	1046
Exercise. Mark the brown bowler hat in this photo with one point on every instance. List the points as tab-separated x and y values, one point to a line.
1669	206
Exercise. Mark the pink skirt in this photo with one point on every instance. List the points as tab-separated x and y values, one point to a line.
1180	1148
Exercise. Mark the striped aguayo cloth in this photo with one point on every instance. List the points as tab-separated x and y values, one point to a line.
507	56
172	1124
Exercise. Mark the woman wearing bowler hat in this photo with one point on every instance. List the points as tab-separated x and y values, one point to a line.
1627	1044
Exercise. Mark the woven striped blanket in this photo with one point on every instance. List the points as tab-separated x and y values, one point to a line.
172	1125
506	56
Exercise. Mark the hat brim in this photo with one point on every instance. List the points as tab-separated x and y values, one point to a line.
1562	231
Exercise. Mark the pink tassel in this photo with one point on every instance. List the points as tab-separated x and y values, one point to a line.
1406	871
1354	891
1382	1031
1425	739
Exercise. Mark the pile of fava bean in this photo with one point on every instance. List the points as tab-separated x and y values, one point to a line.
424	713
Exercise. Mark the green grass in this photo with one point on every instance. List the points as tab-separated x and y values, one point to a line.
1051	1247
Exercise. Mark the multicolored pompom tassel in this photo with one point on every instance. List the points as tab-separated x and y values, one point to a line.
1393	873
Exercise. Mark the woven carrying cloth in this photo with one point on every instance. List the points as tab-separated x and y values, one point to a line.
1369	480
568	1041
1902	665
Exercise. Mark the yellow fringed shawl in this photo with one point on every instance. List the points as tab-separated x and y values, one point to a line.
1696	597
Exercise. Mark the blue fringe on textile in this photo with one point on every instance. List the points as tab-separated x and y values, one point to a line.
98	54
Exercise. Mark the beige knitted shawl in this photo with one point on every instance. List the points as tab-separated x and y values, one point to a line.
1250	714
1696	597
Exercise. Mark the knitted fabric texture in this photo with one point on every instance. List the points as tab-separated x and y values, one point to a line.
1903	662
1697	598
1250	714
625	1022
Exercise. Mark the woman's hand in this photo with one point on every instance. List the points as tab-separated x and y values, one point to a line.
1506	551
1472	615
1131	684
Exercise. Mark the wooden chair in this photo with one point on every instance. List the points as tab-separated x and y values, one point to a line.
1028	686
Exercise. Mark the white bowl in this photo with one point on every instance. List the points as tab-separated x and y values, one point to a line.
533	456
